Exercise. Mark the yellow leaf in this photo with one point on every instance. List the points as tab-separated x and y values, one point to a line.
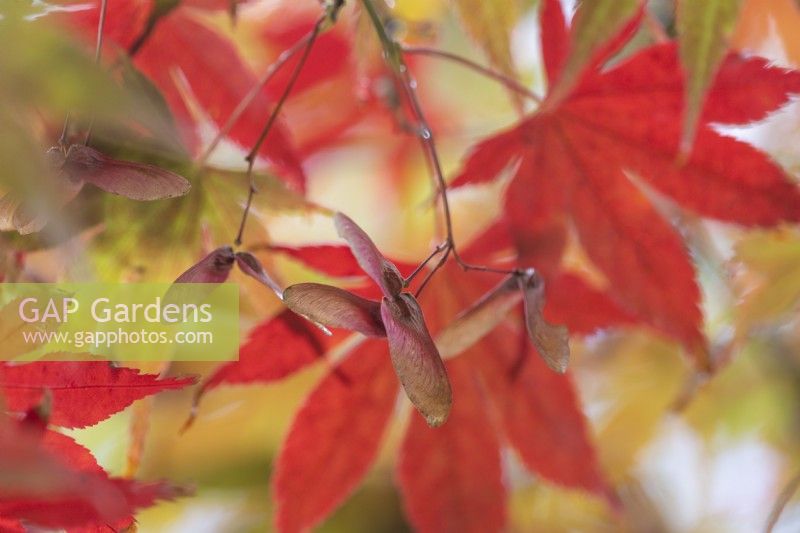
773	262
704	27
489	23
595	23
642	378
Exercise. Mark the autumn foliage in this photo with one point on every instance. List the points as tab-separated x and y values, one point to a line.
453	346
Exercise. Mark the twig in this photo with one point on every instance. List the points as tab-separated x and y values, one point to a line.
251	156
434	270
245	102
507	81
783	499
101	24
419	268
393	54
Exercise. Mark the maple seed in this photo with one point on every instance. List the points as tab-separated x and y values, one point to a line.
335	307
477	321
73	168
377	267
213	268
137	181
552	342
250	265
416	359
414	355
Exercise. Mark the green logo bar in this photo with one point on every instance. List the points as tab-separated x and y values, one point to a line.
121	322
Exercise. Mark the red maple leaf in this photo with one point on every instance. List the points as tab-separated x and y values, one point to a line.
50	481
180	55
498	390
578	159
83	392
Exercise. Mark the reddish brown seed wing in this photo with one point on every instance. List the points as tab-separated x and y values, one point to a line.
213	268
137	181
250	265
552	342
380	269
416	359
479	319
336	308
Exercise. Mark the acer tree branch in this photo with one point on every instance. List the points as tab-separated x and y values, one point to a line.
393	54
251	156
101	23
508	82
245	102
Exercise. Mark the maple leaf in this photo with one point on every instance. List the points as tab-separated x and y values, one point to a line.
181	53
180	42
334	438
538	412
576	155
453	475
53	482
332	260
274	350
83	393
125	21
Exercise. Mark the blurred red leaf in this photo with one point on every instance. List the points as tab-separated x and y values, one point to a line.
555	38
329	57
125	20
84	393
334	438
63	486
181	47
333	260
575	151
540	413
451	477
584	309
274	349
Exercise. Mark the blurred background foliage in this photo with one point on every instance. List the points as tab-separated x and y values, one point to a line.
690	454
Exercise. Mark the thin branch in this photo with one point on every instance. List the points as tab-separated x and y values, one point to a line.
783	499
419	268
508	82
433	271
393	54
251	156
245	102
62	140
101	24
